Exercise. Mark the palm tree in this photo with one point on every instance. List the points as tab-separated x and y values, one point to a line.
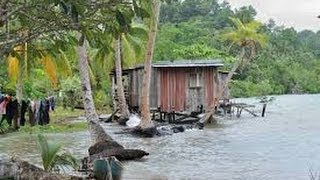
127	52
88	102
248	38
50	157
146	126
123	106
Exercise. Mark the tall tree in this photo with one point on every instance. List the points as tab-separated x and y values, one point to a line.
146	126
90	21
123	106
247	37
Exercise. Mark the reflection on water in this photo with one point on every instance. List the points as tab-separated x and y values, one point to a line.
284	145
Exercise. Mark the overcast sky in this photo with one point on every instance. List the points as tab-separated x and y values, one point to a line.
301	14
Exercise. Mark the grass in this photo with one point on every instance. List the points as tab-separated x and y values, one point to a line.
61	115
61	121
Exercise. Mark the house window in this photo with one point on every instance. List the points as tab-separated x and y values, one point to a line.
195	80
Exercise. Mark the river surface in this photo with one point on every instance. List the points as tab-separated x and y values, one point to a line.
283	145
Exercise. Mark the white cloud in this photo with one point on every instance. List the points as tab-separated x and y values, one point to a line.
301	14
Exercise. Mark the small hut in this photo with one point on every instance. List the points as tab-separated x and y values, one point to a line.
178	85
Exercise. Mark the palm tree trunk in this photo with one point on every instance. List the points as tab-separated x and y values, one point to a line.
146	123
19	89
232	72
225	85
123	107
97	132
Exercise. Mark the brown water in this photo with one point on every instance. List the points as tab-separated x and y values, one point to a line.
284	145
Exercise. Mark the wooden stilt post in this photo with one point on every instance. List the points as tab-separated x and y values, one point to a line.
160	113
154	115
173	115
264	109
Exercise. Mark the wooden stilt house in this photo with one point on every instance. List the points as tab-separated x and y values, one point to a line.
179	85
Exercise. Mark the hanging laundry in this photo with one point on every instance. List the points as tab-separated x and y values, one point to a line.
52	103
4	109
24	107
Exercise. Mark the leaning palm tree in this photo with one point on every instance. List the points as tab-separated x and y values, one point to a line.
123	106
146	126
247	37
126	53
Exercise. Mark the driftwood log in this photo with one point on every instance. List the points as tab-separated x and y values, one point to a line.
19	169
105	146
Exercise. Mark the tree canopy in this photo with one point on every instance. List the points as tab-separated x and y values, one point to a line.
289	63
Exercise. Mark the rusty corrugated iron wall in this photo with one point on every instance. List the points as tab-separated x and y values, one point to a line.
172	89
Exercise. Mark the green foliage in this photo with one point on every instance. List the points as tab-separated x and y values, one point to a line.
50	157
244	34
197	51
289	63
71	92
4	127
189	29
248	88
102	100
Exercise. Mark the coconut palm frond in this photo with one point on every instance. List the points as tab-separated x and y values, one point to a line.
50	69
237	22
245	33
48	152
63	65
139	31
138	46
92	74
254	25
128	53
13	68
66	159
109	64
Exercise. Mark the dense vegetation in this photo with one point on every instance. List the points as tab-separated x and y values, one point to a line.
290	63
189	29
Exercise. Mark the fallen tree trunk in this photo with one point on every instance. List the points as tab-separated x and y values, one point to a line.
19	169
110	148
105	146
120	154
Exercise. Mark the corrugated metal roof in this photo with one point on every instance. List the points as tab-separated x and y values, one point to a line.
188	63
178	64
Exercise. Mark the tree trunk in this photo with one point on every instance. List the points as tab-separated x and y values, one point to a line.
96	131
123	107
146	125
19	88
209	115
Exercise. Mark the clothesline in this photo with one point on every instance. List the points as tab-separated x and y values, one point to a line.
38	110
